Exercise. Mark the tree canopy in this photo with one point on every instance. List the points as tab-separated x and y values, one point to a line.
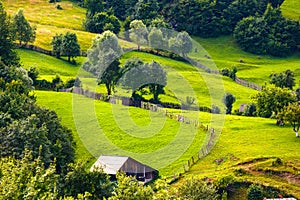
103	60
291	114
22	29
141	75
271	100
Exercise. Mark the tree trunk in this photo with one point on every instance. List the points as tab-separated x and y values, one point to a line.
108	89
69	58
297	134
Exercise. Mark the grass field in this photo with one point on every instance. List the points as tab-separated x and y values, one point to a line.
225	53
291	9
102	128
246	138
183	79
51	21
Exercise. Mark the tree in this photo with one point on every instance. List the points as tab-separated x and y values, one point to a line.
141	76
181	44
7	54
102	21
254	192
195	188
270	33
291	114
186	43
128	188
146	10
27	179
271	100
228	100
283	80
138	32
24	32
103	60
94	6
251	35
70	46
157	40
57	41
79	180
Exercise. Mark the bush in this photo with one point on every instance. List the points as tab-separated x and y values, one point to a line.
250	110
58	7
195	188
254	192
215	109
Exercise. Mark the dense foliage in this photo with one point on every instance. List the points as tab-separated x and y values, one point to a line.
23	31
270	33
271	100
7	54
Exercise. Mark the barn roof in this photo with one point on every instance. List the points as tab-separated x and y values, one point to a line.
113	164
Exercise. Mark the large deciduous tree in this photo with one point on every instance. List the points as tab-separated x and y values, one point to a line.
181	44
7	54
24	32
291	114
138	33
144	75
57	45
283	80
103	60
157	40
70	46
271	100
270	33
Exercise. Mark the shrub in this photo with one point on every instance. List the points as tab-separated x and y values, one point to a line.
250	110
254	192
58	7
215	109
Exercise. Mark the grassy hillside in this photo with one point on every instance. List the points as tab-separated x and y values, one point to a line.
225	53
139	133
50	21
178	72
244	139
291	9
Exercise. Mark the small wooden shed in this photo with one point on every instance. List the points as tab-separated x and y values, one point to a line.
114	164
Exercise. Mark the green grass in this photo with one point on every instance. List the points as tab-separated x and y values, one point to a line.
246	138
50	21
291	9
183	78
102	128
226	53
48	65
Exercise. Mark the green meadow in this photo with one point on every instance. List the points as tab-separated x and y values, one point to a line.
102	128
226	54
247	146
50	21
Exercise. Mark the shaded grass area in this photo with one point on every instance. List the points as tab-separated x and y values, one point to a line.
149	137
48	65
255	68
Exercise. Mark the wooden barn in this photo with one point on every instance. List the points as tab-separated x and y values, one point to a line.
114	164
